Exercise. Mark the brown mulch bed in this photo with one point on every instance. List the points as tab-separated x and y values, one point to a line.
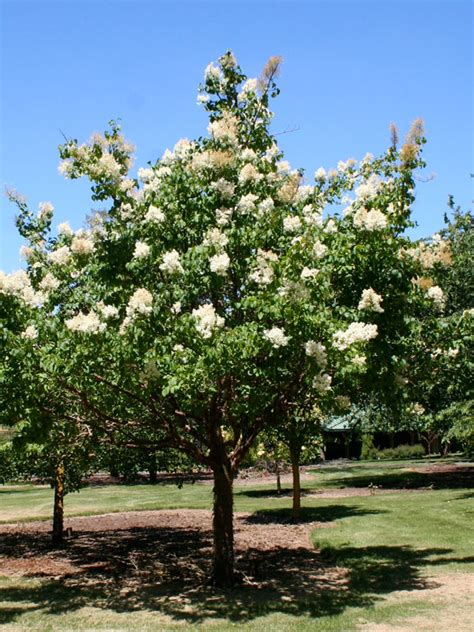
122	542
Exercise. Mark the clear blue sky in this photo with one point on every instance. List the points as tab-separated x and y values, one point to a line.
350	68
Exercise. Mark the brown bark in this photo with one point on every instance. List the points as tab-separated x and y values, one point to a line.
223	528
58	511
278	478
152	469
295	468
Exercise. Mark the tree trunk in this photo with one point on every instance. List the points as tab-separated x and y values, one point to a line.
223	528
347	446
58	511
295	467
278	477
152	469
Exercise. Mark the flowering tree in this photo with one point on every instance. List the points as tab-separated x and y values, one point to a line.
50	440
439	372
212	295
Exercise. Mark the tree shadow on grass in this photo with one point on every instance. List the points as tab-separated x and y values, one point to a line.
327	513
461	477
264	493
163	570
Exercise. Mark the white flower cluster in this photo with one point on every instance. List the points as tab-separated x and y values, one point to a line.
65	168
369	189
249	88
182	148
331	227
283	166
356	332
224	187
82	245
452	352
266	206
212	72
436	294
371	301
154	214
127	185
176	307
262	274
108	311
171	262
142	250
304	192
127	211
309	273
344	166
201	160
30	333
417	409
49	283
311	216
320	174
319	249
207	320
18	284
369	220
85	323
107	166
215	237
224	128
359	360
428	255
322	383
46	210
26	252
219	263
146	174
223	216
317	351
249	173
276	336
246	204
60	256
291	224
65	229
248	155
140	303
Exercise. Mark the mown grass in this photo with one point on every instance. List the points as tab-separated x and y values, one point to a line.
385	542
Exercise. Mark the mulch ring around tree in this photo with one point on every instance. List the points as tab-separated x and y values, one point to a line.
166	544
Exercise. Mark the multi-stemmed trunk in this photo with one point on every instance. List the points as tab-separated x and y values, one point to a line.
58	511
223	529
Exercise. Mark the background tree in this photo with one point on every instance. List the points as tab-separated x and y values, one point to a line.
441	370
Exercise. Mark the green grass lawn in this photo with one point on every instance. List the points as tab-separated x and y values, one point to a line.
386	543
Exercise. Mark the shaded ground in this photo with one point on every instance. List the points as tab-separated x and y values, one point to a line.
159	560
440	476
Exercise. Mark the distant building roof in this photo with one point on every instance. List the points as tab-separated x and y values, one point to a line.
337	424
